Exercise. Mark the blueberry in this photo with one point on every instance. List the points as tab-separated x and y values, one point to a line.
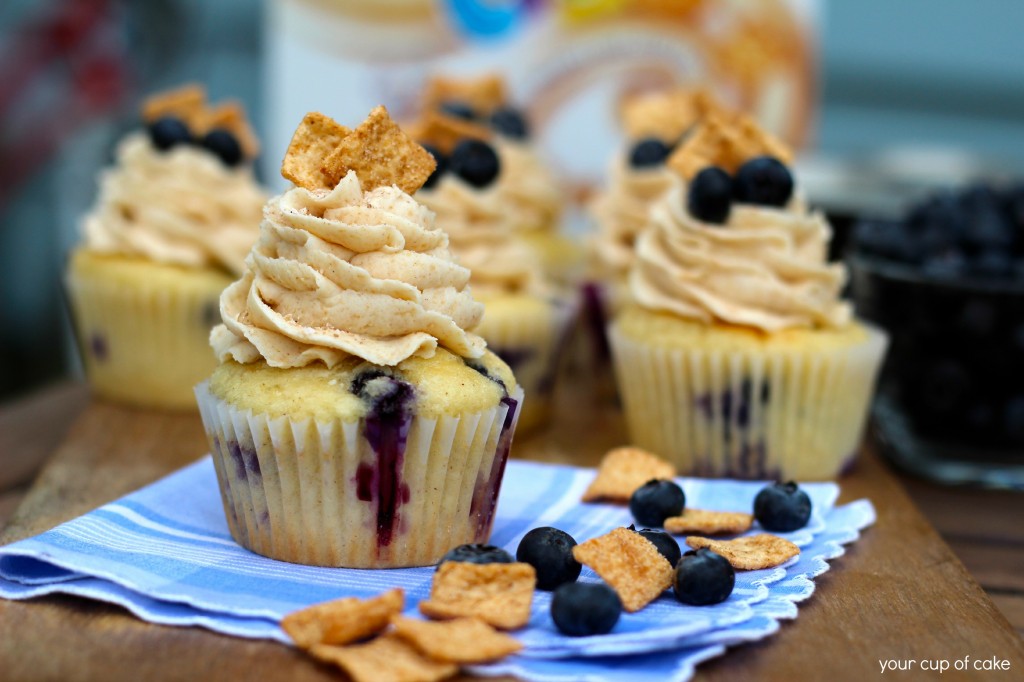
389	395
763	180
225	145
475	161
666	544
782	507
710	195
582	609
168	132
439	169
992	263
458	110
478	554
655	501
648	152
549	551
510	123
703	577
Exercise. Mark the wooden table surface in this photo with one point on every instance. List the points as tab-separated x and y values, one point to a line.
899	593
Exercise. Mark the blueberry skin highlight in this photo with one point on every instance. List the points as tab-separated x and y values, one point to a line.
549	551
655	501
703	577
782	507
478	554
666	544
583	609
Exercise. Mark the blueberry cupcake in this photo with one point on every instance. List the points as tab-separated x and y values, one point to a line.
354	419
530	192
528	316
174	219
737	357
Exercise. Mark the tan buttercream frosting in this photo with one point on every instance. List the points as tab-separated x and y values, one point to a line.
529	188
764	268
345	272
621	213
481	228
182	206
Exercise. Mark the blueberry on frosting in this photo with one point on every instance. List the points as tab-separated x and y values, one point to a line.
458	109
442	165
648	152
763	180
168	132
476	162
510	123
224	145
710	195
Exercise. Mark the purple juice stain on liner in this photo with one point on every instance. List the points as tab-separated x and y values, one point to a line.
245	460
98	347
386	429
485	493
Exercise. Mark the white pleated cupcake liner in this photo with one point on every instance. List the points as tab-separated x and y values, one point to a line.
542	341
752	415
143	345
293	489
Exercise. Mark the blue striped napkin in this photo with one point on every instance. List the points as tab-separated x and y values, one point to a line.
165	554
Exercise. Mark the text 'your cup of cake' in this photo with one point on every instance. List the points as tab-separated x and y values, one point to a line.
355	420
736	356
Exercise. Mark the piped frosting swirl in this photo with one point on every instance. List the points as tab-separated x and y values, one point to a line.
182	207
764	268
345	272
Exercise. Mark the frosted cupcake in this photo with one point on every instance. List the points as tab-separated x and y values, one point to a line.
530	191
174	219
737	357
528	319
355	420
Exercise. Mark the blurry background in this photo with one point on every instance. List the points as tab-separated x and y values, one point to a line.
914	91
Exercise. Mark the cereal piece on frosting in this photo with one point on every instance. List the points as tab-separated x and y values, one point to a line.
381	154
622	471
187	103
315	138
444	132
756	141
665	114
751	553
709	522
463	640
498	594
343	620
385	659
483	94
629	563
726	142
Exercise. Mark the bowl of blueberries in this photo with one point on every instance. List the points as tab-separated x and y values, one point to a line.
947	282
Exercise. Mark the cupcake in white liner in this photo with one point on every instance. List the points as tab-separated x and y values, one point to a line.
738	357
354	420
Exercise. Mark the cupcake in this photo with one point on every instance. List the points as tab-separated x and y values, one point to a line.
737	357
528	317
355	420
531	194
174	219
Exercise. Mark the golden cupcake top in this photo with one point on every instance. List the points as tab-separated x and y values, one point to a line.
182	192
734	243
348	263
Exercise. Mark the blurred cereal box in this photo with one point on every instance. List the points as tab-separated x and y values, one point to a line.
569	63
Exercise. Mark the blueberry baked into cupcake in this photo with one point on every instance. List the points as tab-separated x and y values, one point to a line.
530	192
354	419
737	357
528	316
174	219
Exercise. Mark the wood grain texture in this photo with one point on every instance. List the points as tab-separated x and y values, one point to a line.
900	592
